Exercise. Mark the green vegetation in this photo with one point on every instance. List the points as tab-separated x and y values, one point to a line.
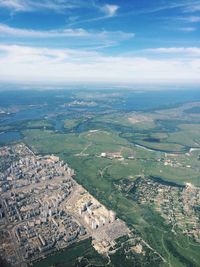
109	179
78	254
37	124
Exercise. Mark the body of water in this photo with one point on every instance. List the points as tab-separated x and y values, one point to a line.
9	137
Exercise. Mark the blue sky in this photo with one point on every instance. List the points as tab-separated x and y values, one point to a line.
109	41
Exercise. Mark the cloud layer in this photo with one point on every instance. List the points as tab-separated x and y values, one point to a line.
52	65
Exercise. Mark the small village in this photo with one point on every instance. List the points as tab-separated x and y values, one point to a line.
178	205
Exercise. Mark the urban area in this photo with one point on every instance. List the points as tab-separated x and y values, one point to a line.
43	209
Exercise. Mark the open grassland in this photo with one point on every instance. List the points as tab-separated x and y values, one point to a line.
30	124
165	135
88	146
71	123
37	124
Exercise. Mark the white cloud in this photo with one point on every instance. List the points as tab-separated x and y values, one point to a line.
59	65
7	30
192	8
193	19
189	51
110	10
17	5
74	37
57	5
187	29
34	5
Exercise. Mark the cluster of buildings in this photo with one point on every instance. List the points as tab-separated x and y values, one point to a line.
31	169
34	192
112	155
43	209
77	103
101	223
172	161
6	158
36	238
40	201
7	247
178	205
4	151
94	213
